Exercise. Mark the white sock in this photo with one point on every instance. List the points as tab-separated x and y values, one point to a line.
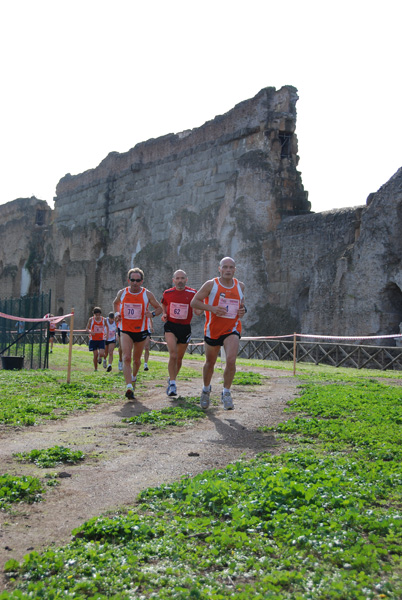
172	381
145	364
133	378
206	388
226	390
129	385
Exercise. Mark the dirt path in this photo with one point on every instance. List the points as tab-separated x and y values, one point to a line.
120	464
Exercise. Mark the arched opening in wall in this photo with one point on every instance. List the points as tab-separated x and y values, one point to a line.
286	147
301	305
40	218
60	312
391	308
60	280
399	225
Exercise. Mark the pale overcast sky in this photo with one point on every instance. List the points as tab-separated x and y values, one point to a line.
86	77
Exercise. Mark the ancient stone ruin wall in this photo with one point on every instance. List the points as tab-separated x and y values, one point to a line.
230	187
181	201
340	272
370	278
25	226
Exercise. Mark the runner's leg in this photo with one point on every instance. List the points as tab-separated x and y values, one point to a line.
138	349
231	346
171	342
181	350
127	347
211	354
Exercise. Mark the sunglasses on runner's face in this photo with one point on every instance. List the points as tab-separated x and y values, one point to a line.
137	280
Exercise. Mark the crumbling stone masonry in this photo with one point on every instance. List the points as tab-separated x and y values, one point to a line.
230	187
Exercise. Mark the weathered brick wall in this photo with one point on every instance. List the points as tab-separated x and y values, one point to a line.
230	187
182	201
25	229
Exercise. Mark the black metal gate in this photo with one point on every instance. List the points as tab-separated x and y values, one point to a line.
24	341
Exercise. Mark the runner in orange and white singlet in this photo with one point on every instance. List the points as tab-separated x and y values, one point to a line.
51	331
230	299
131	308
98	330
222	299
177	315
110	342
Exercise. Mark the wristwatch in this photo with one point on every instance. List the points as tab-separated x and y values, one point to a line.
153	313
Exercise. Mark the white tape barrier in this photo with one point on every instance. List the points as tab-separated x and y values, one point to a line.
45	319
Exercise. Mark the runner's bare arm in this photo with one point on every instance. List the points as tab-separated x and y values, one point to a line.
116	302
203	292
155	304
164	316
242	309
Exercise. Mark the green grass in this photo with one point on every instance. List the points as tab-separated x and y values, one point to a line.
248	378
321	521
31	397
50	457
15	489
186	411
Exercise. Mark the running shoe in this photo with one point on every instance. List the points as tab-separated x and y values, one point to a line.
171	389
130	393
99	360
120	365
109	368
146	368
227	401
104	363
204	400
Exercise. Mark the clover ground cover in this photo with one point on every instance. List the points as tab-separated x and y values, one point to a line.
321	521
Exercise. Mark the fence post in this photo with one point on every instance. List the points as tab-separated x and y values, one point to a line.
70	345
294	353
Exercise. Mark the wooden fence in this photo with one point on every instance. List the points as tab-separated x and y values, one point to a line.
334	354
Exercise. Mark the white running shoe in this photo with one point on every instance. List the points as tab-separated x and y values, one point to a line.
171	389
204	400
104	363
109	368
227	400
120	365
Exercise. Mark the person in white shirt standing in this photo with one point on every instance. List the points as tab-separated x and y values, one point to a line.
110	342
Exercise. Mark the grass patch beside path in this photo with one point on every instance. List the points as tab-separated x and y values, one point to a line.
15	489
322	521
183	412
31	397
50	457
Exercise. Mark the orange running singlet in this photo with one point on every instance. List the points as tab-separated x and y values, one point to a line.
97	329
132	310
230	299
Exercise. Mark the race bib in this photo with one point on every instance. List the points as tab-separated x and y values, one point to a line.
178	311
132	311
231	306
98	328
